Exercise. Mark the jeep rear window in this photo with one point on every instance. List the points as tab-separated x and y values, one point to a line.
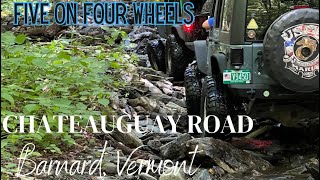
262	13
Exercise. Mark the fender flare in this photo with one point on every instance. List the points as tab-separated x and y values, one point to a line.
177	30
215	64
218	63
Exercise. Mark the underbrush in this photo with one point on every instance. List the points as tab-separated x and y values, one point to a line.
55	78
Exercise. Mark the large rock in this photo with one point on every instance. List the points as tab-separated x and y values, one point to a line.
154	145
109	168
175	107
145	102
162	97
229	158
144	176
143	61
129	139
165	86
170	175
152	88
313	168
130	74
166	99
152	77
167	91
203	174
140	110
142	35
145	70
175	149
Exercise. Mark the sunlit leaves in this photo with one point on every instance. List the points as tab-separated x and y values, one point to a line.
7	38
7	97
104	102
30	108
20	39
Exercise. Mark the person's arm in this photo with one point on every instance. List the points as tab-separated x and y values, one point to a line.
208	24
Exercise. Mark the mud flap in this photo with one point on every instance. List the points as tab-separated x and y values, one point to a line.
201	51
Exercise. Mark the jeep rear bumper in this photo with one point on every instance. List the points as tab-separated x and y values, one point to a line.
260	91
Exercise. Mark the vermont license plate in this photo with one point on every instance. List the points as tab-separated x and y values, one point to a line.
236	77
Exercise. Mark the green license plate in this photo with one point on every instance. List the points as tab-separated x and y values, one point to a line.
236	77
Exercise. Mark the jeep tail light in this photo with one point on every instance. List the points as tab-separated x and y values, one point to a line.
195	31
236	57
301	6
188	27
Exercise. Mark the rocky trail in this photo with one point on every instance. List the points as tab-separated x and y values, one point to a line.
278	153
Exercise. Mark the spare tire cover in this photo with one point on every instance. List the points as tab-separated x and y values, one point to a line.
291	50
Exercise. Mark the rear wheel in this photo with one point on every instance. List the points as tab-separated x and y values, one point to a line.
213	100
216	99
193	90
177	58
156	55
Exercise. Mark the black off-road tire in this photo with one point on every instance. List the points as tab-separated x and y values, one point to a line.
177	58
216	98
156	55
213	102
193	90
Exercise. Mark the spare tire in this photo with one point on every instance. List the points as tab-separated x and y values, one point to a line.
291	50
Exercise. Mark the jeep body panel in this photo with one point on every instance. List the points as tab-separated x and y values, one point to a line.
165	30
219	61
259	74
201	52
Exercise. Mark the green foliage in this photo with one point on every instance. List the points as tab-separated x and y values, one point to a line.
56	78
266	12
